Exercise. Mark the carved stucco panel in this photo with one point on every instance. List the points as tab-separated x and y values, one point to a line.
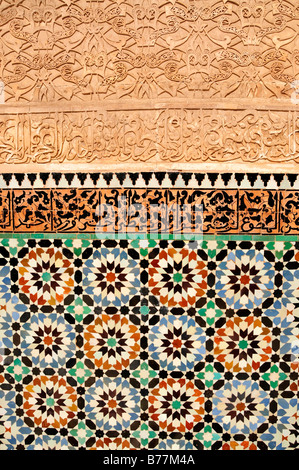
142	81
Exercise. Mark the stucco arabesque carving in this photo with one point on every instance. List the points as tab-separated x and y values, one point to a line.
148	81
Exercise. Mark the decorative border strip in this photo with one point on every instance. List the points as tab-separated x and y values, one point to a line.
153	179
137	237
226	211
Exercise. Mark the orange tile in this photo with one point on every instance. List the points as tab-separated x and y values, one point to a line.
6	220
289	212
32	210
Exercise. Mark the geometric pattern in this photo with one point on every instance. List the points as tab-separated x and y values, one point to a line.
112	342
148	344
177	405
191	180
177	277
45	277
243	344
49	402
241	406
112	404
48	339
245	278
110	276
176	342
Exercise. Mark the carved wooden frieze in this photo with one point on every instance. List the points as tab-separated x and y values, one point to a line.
142	81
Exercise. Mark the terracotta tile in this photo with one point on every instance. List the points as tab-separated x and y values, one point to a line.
137	211
112	211
88	209
289	212
6	220
216	199
181	205
64	200
32	210
157	204
199	196
220	222
65	221
259	222
258	200
258	211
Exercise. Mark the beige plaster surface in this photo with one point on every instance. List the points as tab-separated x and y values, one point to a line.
114	85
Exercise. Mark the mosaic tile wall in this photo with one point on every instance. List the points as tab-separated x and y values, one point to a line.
149	341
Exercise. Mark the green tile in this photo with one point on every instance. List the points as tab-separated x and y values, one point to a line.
222	237
150	236
288	245
287	238
240	237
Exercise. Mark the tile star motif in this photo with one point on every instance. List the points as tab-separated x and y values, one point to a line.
244	279
177	405
7	404
274	376
50	443
112	342
111	277
48	340
291	285
146	434
176	343
15	432
82	434
46	276
241	406
5	282
136	373
244	445
176	444
210	376
18	370
177	277
4	441
49	402
287	436
243	344
112	403
80	372
208	436
109	443
210	312
144	374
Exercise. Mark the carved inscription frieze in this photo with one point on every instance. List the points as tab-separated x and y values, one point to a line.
155	136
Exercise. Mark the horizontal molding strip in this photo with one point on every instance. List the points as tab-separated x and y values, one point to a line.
150	105
152	179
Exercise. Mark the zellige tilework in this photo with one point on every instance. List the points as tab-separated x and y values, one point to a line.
148	344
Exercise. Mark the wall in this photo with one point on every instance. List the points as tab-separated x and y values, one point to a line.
149	223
